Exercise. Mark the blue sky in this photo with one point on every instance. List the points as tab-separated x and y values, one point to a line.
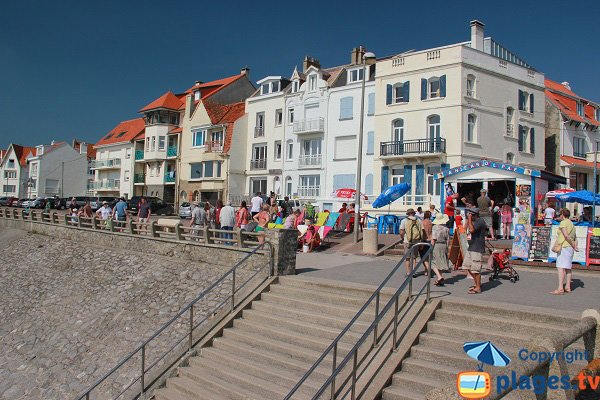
76	68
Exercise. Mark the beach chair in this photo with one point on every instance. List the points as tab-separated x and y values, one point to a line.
321	218
343	222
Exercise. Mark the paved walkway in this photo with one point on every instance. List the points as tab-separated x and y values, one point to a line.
532	290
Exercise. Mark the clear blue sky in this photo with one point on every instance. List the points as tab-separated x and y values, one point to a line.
76	68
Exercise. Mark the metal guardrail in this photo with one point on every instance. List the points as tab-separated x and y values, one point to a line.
349	382
415	146
192	326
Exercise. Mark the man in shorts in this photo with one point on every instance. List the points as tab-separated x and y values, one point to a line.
120	213
486	205
411	233
473	264
144	213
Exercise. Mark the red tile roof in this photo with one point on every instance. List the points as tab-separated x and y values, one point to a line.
176	130
590	114
22	152
126	131
577	161
168	100
225	115
209	88
566	100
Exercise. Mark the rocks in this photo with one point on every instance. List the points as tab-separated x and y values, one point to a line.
72	310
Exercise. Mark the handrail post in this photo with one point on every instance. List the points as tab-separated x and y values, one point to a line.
429	276
376	325
354	365
191	343
411	263
394	347
143	371
333	367
233	291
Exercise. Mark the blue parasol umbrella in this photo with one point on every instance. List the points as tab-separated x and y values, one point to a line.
580	196
486	353
391	194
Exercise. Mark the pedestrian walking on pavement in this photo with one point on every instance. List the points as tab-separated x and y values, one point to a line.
485	206
227	220
198	219
474	263
565	247
440	235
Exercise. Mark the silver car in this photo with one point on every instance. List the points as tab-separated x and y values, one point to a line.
185	210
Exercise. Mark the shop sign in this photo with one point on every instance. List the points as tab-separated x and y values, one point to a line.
488	164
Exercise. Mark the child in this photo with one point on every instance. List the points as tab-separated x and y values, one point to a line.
506	217
458	219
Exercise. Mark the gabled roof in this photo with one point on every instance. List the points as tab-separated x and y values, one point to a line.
23	152
209	88
3	153
90	150
220	114
168	100
566	101
126	131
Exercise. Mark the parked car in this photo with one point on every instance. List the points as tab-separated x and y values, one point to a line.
157	206
61	204
3	201
37	203
8	201
22	203
96	202
185	210
296	205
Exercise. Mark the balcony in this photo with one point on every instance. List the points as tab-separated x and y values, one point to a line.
172	151
107	164
170	177
139	178
310	161
421	147
314	125
107	185
139	155
259	131
214	147
578	155
258	164
510	130
309	191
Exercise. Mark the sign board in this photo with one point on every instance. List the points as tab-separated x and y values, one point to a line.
539	246
593	246
520	247
459	248
488	164
523	190
580	256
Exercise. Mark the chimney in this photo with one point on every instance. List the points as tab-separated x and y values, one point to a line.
197	83
357	54
567	85
245	71
82	148
477	35
310	61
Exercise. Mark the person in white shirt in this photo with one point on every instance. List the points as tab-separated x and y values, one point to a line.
256	203
104	212
227	219
549	214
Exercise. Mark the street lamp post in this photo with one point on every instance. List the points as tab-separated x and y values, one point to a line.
368	59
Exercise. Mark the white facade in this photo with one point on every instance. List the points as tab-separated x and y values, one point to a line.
451	105
114	168
14	175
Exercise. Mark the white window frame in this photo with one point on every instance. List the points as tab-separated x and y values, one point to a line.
289	189
431	94
295	86
202	134
578	145
397	93
471	86
355	75
312	83
399	178
471	129
278	117
289	149
580	109
290	115
277	150
162	144
265	88
398	130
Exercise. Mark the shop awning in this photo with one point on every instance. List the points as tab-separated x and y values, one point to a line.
488	164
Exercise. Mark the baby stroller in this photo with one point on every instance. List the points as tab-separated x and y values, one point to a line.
501	266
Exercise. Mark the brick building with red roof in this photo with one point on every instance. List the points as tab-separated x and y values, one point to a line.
572	134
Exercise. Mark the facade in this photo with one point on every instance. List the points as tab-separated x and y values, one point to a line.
449	106
571	135
156	157
213	139
114	163
15	171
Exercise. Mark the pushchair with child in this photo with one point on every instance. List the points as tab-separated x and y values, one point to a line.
501	266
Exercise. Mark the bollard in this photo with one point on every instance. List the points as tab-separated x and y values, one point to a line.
240	237
370	241
153	230
179	231
207	235
131	226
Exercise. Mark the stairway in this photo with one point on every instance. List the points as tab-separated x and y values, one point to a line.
438	357
275	342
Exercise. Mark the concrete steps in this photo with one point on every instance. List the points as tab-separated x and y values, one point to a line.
268	349
438	357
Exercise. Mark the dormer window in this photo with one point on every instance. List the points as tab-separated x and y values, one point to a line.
312	83
269	87
295	86
580	109
597	114
196	95
355	75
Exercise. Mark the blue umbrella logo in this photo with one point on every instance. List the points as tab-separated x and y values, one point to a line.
486	353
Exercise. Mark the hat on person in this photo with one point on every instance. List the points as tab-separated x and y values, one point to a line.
472	210
196	203
229	203
483	190
74	209
105	203
410	211
441	219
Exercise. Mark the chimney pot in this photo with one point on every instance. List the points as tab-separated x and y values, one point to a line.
477	35
566	84
245	71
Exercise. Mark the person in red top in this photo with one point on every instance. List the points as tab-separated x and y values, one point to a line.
343	209
449	209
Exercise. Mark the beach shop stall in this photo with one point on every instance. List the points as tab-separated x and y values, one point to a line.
504	182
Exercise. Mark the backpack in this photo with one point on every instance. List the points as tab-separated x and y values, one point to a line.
413	230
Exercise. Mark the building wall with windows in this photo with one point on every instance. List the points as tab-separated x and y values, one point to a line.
114	166
14	171
60	170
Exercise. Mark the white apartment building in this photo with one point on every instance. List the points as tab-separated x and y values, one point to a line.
114	164
15	170
452	105
571	135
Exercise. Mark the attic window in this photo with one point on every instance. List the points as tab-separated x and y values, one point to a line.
108	136
295	86
121	134
355	75
269	87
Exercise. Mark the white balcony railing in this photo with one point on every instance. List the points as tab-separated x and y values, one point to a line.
108	184
259	131
309	161
510	130
109	163
258	164
309	125
309	191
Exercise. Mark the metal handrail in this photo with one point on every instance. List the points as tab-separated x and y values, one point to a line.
188	308
353	353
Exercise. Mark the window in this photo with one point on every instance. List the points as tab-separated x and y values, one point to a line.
258	185
9	188
471	126
147	144
371	104
198	138
216	139
277	185
311	147
158	166
510	158
277	147
11	163
206	169
578	180
526	139
401	92
579	147
196	95
312	83
260	125
153	143
398	130
290	150
525	101
344	181
345	148
295	86
278	117
259	156
10	174
288	186
471	85
264	88
433	185
310	186
161	144
369	184
121	134
34	169
433	127
290	115
370	143
597	114
355	75
580	109
397	175
510	130
433	88
346	108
